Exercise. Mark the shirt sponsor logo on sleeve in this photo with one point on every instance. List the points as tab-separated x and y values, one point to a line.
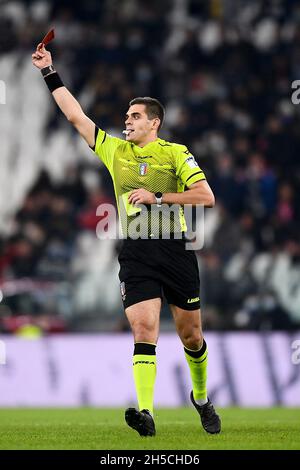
192	162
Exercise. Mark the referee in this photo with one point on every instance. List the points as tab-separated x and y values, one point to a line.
149	176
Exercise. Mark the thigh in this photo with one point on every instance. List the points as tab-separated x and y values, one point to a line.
188	322
144	320
180	276
139	279
135	290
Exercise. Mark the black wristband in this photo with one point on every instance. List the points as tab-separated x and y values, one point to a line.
53	81
47	70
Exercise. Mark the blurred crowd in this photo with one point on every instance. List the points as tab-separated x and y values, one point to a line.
224	70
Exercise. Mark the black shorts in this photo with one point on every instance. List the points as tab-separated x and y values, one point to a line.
153	268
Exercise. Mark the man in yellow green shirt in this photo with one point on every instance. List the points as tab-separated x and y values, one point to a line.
150	175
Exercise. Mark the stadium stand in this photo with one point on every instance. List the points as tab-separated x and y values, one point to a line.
224	72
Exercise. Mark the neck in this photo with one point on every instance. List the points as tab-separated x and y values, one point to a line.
147	140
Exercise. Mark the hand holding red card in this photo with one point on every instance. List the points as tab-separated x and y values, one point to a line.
49	37
41	58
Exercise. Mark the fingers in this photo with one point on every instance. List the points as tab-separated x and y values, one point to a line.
136	200
132	197
38	55
41	50
139	196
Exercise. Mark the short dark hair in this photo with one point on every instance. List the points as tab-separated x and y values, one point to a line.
154	108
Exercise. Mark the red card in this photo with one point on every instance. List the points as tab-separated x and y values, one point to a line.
49	36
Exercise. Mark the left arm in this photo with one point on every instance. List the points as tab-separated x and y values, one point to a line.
198	193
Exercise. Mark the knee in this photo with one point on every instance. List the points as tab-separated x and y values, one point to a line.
144	332
192	339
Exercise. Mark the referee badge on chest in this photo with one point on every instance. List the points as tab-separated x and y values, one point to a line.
143	168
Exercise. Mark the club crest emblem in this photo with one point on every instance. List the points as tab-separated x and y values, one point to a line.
143	169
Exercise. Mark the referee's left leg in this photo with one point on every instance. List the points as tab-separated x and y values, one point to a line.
189	329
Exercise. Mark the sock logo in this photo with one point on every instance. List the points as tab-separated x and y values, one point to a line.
143	362
197	362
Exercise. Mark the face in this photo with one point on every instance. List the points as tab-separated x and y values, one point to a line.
140	126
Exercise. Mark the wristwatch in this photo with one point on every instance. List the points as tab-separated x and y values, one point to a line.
48	70
158	197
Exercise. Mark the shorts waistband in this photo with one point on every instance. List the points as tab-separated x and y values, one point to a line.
169	236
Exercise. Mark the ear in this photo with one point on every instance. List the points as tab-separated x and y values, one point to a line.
155	123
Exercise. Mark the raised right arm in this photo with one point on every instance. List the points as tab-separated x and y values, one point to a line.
65	100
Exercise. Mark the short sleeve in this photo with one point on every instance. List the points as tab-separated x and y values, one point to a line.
106	146
187	169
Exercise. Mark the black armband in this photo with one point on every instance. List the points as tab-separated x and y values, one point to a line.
53	81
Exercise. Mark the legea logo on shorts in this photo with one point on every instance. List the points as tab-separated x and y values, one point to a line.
2	353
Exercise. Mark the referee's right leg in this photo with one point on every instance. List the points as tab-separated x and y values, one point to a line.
141	294
143	318
144	321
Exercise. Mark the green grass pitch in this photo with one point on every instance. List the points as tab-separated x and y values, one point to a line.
177	429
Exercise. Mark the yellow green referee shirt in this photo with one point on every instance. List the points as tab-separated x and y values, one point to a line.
159	166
